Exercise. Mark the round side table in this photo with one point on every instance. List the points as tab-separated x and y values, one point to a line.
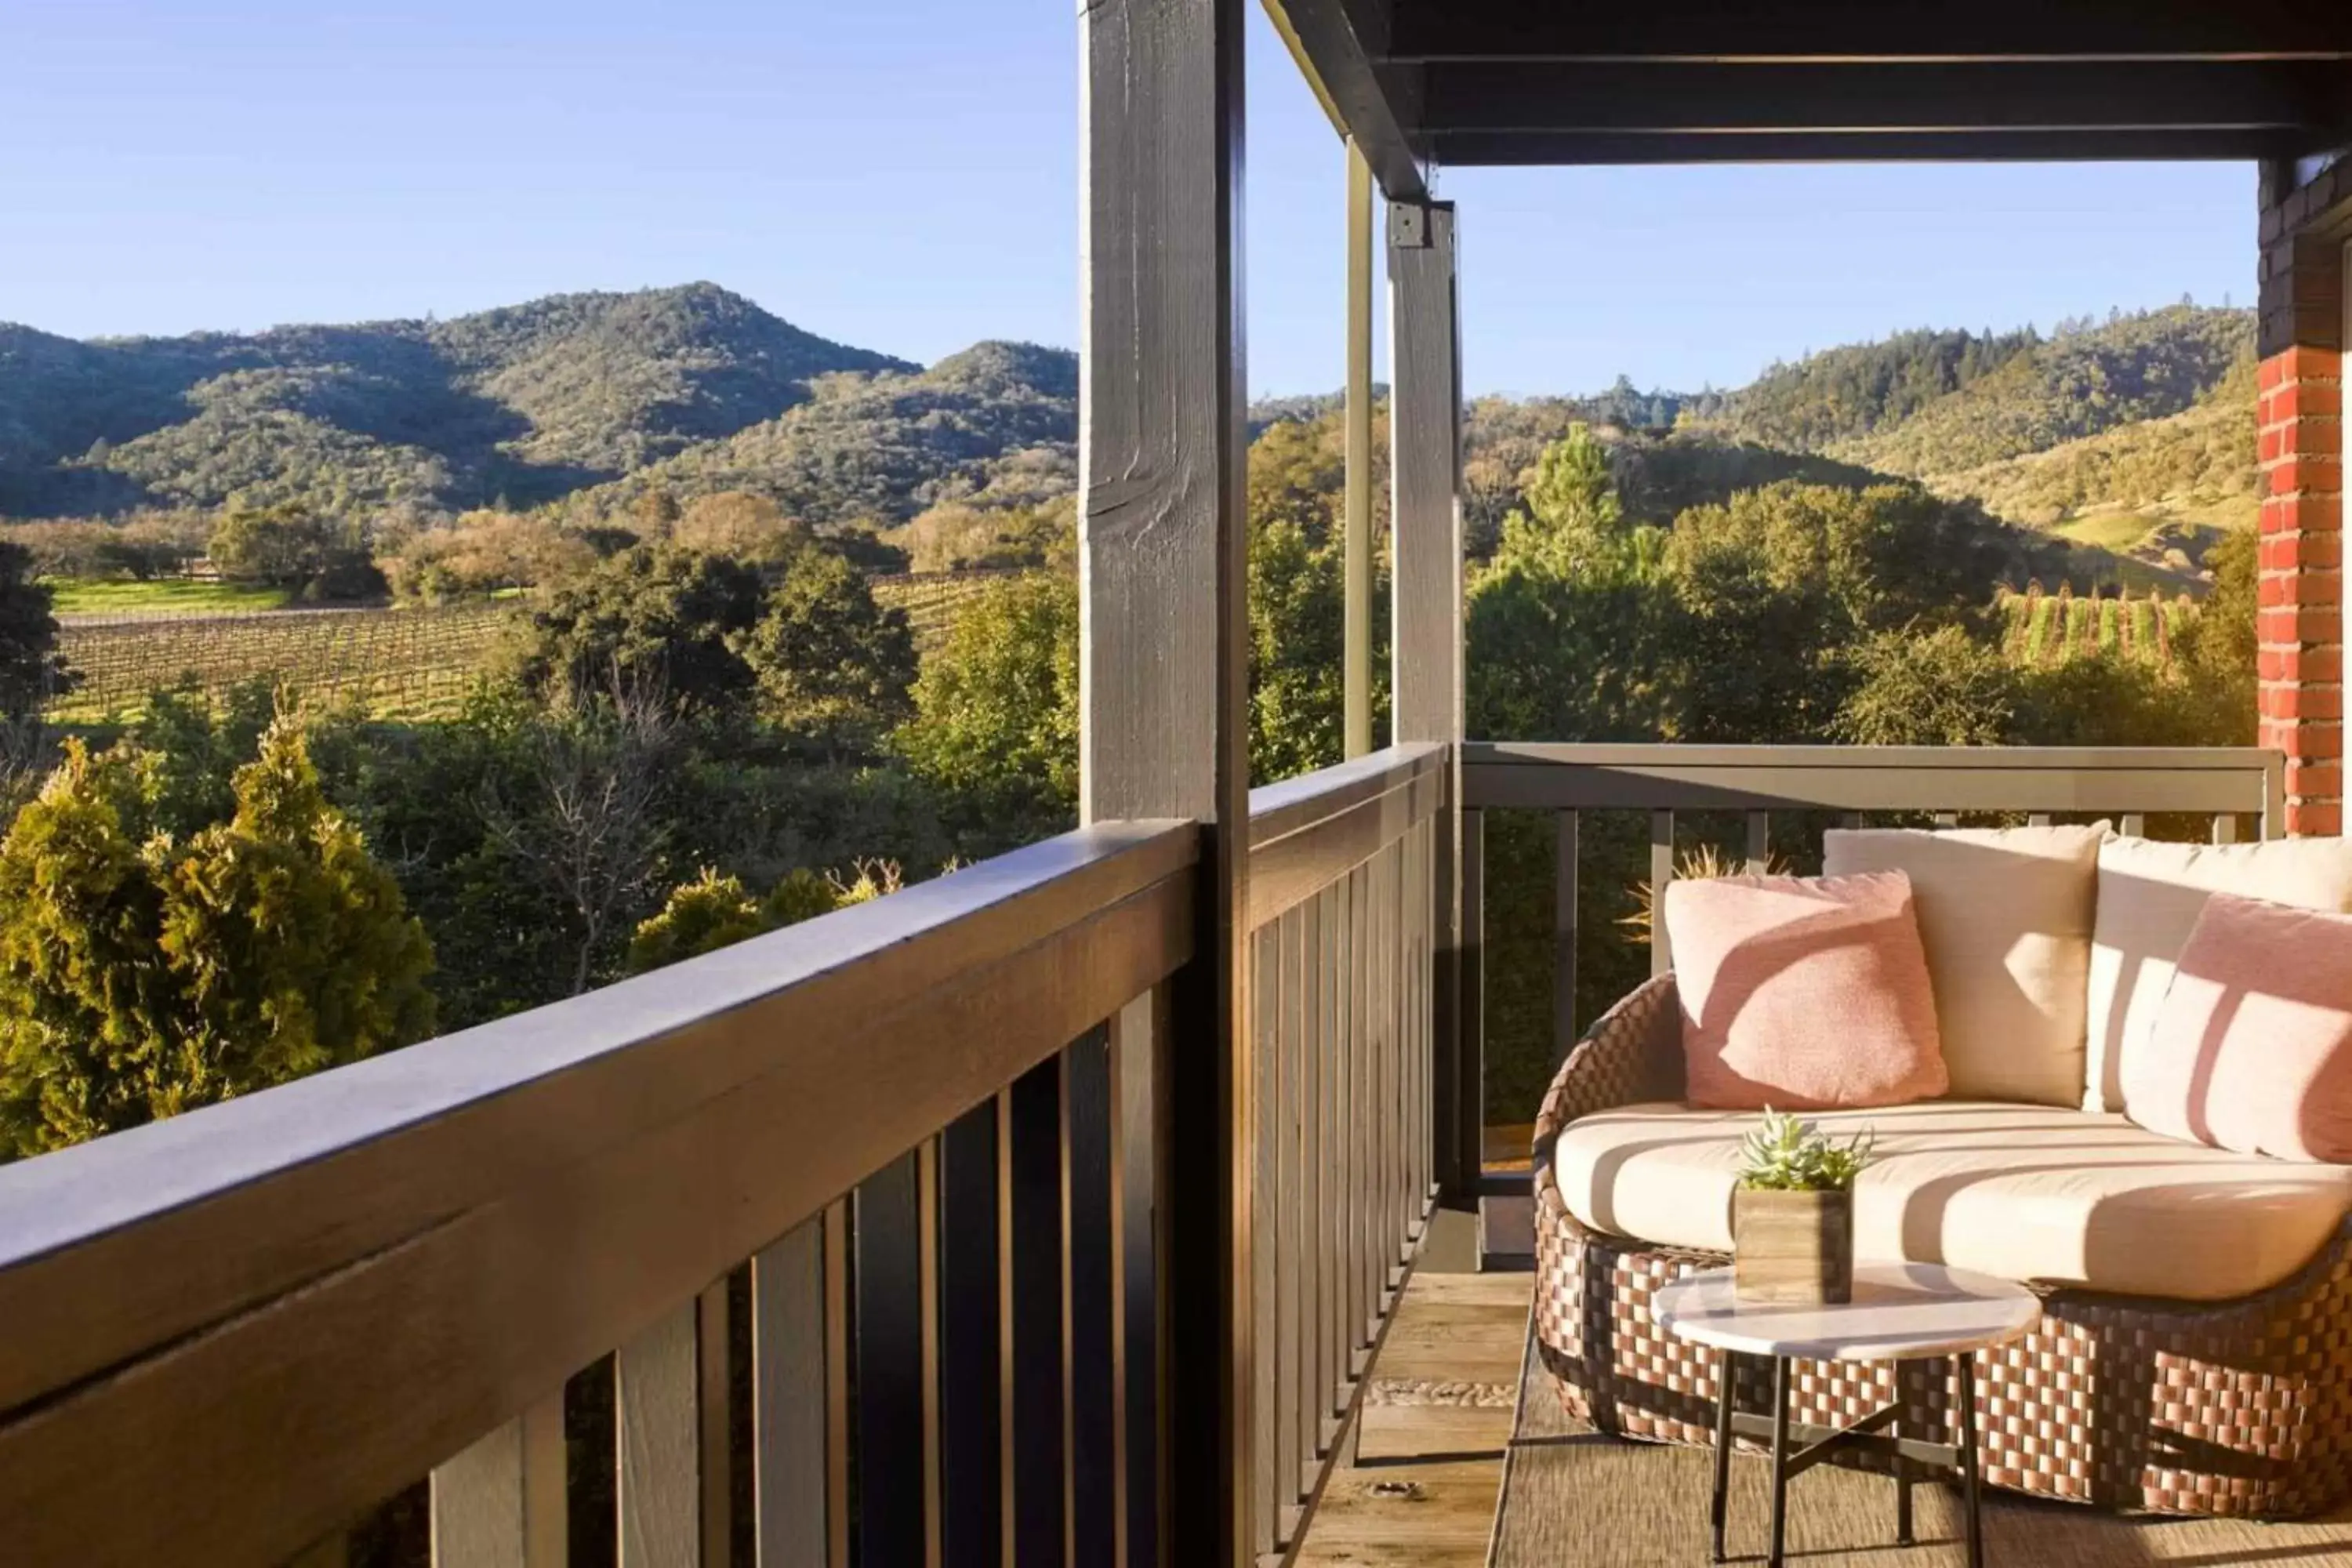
1900	1311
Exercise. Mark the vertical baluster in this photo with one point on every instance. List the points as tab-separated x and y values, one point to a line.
1851	820
789	1400
1033	1458
1948	819
1390	1072
836	1383
1284	1114
1376	1131
1332	1218
1662	873
927	1255
1088	1287
501	1503
1266	991
1759	843
2037	819
1426	915
2225	827
716	1432
2134	824
1468	1133
970	1378
890	1349
658	1494
1135	1060
1362	1294
1304	1262
1416	982
1563	936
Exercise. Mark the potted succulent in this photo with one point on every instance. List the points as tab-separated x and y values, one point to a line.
1792	1213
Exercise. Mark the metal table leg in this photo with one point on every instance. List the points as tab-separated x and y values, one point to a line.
1903	1511
1726	1375
1779	1460
1968	1458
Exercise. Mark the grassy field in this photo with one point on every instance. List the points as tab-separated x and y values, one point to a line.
171	595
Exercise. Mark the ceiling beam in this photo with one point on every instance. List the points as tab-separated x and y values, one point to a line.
1463	149
1650	96
1339	45
1424	31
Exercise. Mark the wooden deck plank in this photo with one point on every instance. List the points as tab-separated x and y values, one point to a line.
1428	1459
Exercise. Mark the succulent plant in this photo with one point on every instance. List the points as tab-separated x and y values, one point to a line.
1789	1155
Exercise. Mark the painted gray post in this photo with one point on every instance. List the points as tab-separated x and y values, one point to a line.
1357	644
1426	478
1164	668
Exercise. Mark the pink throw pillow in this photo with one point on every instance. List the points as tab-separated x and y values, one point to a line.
1803	992
2252	1049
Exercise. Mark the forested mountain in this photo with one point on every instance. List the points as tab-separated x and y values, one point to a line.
2132	435
2076	384
524	403
996	425
1843	394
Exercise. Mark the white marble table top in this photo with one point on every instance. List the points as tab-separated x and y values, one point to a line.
1900	1311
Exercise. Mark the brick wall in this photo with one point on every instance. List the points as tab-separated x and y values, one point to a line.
2302	457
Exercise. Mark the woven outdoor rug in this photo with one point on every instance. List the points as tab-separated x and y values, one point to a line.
1572	1497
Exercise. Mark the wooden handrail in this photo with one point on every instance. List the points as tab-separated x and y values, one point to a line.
228	1331
2201	780
1307	833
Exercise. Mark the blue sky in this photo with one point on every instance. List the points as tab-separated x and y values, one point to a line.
901	174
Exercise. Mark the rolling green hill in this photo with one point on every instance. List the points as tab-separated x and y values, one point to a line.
997	424
525	403
2133	439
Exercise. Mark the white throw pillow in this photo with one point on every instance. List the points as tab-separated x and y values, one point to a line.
2150	895
2005	914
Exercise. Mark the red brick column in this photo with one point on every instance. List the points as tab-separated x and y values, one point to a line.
2302	621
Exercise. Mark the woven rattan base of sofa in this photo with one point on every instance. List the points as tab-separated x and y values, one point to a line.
2239	1407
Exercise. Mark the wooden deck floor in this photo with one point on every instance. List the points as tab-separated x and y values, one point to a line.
1429	1458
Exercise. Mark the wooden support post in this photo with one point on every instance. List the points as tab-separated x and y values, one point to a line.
1164	672
1425	521
1356	644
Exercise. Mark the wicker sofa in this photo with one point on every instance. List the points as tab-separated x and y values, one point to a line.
2235	1406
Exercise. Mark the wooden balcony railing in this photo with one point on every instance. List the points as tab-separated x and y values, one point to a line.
917	1140
1763	791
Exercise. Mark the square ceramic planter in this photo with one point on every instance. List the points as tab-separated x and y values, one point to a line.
1792	1249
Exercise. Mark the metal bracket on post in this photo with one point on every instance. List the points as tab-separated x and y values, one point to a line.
1408	226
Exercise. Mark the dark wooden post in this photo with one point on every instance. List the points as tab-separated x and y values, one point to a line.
1164	672
1425	471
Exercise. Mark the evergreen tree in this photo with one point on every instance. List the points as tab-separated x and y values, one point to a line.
30	669
141	976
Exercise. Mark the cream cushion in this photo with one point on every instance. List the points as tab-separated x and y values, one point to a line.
2005	915
2023	1192
2150	895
